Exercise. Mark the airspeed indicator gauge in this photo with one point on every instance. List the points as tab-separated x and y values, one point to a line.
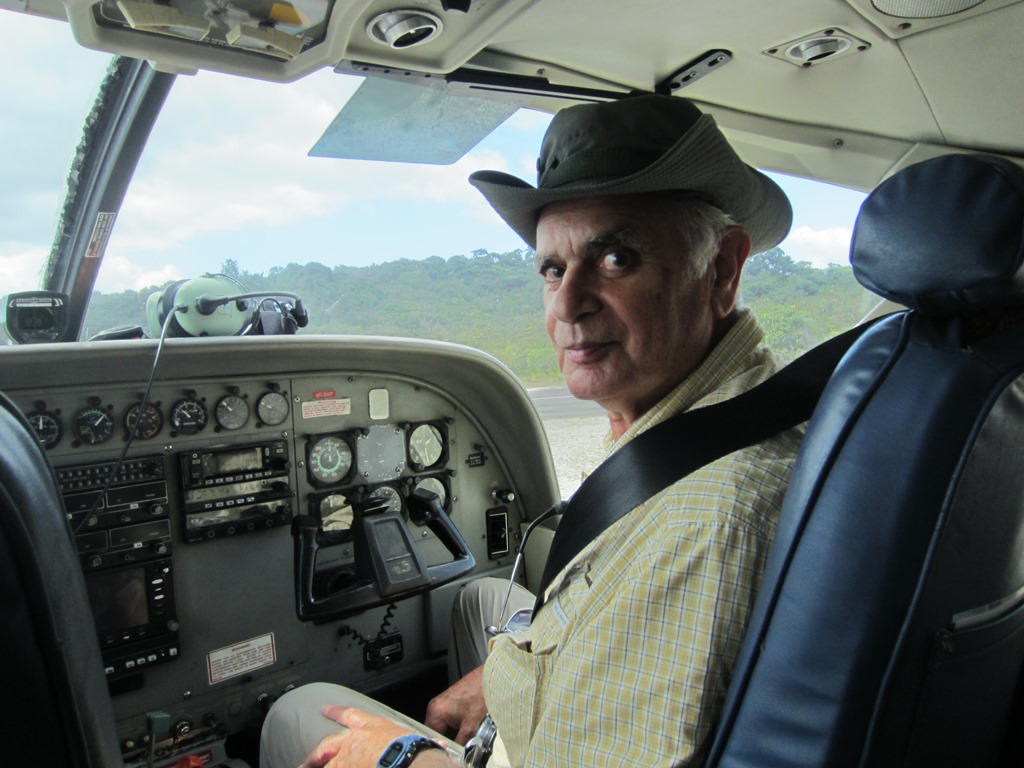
330	460
232	412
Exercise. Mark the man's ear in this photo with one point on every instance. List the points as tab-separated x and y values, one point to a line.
727	266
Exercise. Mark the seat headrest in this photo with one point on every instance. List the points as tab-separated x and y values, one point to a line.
945	236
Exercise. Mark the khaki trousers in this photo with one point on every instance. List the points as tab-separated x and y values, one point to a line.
295	725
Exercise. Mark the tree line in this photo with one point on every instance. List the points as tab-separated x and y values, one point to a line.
492	301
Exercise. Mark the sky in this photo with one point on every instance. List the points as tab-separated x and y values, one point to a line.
225	175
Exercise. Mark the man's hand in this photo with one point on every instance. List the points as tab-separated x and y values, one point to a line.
362	744
458	711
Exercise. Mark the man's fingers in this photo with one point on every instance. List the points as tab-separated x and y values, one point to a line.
350	717
323	753
443	715
466	732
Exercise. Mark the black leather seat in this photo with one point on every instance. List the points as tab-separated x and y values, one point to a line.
889	629
54	705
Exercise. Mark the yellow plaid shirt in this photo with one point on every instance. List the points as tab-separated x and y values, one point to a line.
629	660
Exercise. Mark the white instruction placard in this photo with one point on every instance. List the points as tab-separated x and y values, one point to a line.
241	658
315	409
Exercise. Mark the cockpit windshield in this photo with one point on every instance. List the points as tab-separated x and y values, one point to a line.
45	103
227	184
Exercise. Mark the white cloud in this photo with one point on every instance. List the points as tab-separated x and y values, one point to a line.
19	267
820	247
120	274
263	181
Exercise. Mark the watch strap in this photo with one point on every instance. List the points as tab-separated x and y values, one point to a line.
401	752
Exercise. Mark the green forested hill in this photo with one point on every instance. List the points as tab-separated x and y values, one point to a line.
492	301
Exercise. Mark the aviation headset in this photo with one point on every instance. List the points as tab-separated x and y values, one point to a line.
219	305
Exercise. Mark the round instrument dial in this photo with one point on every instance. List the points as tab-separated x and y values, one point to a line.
189	417
93	425
390	495
434	485
336	513
150	421
330	460
272	408
232	412
48	427
426	445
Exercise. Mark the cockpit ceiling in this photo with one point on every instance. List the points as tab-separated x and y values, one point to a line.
845	91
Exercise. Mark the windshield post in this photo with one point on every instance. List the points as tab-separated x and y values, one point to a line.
113	139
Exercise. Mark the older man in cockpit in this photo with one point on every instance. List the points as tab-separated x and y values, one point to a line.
642	221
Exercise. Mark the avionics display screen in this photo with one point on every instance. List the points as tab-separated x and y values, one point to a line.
118	600
226	462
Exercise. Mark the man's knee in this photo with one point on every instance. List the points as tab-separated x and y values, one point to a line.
480	597
296	724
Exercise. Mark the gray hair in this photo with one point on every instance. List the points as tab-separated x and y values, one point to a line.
701	226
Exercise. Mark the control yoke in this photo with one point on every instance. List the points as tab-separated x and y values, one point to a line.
388	566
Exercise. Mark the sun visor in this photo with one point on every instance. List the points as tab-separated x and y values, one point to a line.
406	123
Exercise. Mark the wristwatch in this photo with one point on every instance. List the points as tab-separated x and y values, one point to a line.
401	752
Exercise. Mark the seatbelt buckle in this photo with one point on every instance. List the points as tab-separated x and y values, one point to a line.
480	747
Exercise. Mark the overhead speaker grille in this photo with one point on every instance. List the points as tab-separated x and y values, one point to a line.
924	9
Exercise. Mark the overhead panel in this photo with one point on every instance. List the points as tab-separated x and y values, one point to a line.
901	18
282	40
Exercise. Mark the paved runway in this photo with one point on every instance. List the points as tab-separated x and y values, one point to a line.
557	403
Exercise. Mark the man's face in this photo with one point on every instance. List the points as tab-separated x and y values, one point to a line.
627	319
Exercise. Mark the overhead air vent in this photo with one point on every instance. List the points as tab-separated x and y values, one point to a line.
404	29
827	45
924	9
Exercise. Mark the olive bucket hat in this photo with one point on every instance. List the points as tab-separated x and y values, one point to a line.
639	144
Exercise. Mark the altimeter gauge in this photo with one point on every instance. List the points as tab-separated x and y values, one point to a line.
330	460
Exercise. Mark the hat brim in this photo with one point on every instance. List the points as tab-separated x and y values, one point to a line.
702	161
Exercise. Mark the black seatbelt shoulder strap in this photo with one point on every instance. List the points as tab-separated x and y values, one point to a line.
671	450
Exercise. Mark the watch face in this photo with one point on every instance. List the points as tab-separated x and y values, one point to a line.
402	751
392	753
